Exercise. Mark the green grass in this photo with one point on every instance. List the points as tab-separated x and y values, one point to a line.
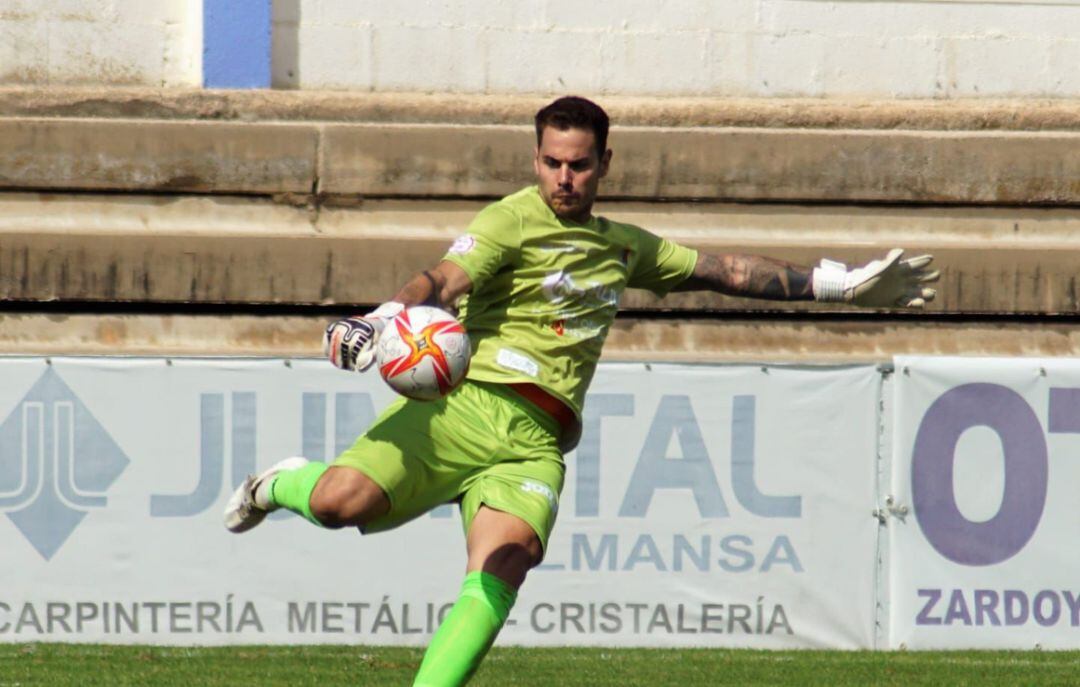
60	665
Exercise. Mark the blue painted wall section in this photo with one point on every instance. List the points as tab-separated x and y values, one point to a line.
236	43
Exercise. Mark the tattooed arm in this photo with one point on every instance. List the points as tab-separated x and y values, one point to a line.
750	276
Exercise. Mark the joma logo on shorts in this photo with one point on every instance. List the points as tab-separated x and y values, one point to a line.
543	490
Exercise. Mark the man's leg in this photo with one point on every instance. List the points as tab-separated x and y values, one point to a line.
352	491
502	548
331	496
502	545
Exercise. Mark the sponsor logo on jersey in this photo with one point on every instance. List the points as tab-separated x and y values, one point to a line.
512	360
561	248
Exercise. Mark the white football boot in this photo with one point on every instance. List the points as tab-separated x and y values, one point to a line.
250	503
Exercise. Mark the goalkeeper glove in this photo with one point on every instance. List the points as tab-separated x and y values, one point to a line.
350	343
887	283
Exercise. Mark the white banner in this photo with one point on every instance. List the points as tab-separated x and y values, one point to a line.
985	457
706	505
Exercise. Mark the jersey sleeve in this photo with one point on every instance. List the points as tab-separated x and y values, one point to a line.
661	265
492	241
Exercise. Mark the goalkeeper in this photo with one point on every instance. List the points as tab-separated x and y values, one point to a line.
537	279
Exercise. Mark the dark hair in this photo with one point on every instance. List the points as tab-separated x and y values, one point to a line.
573	112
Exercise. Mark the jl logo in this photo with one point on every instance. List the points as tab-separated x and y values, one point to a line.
56	462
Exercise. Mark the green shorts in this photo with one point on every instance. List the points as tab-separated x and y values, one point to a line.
480	445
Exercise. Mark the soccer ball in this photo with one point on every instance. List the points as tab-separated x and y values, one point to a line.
423	353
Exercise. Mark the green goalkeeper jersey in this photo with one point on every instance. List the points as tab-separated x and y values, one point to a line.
545	290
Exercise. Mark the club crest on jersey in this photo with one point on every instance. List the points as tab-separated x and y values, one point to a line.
462	244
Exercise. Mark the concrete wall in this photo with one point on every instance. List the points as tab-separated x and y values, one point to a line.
100	42
684	47
754	48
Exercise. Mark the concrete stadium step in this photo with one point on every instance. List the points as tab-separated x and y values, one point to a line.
454	161
481	147
240	250
812	340
954	114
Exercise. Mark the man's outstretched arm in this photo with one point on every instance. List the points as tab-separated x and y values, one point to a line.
440	286
886	283
750	276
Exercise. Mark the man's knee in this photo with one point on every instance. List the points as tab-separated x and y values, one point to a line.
519	557
345	497
503	545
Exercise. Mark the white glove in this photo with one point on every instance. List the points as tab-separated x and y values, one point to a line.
350	343
886	283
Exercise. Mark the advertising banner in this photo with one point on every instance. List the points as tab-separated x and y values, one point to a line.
705	506
985	461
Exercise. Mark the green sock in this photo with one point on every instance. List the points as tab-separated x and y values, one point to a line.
292	489
467	633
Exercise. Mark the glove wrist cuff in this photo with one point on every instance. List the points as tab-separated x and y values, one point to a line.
829	281
386	312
